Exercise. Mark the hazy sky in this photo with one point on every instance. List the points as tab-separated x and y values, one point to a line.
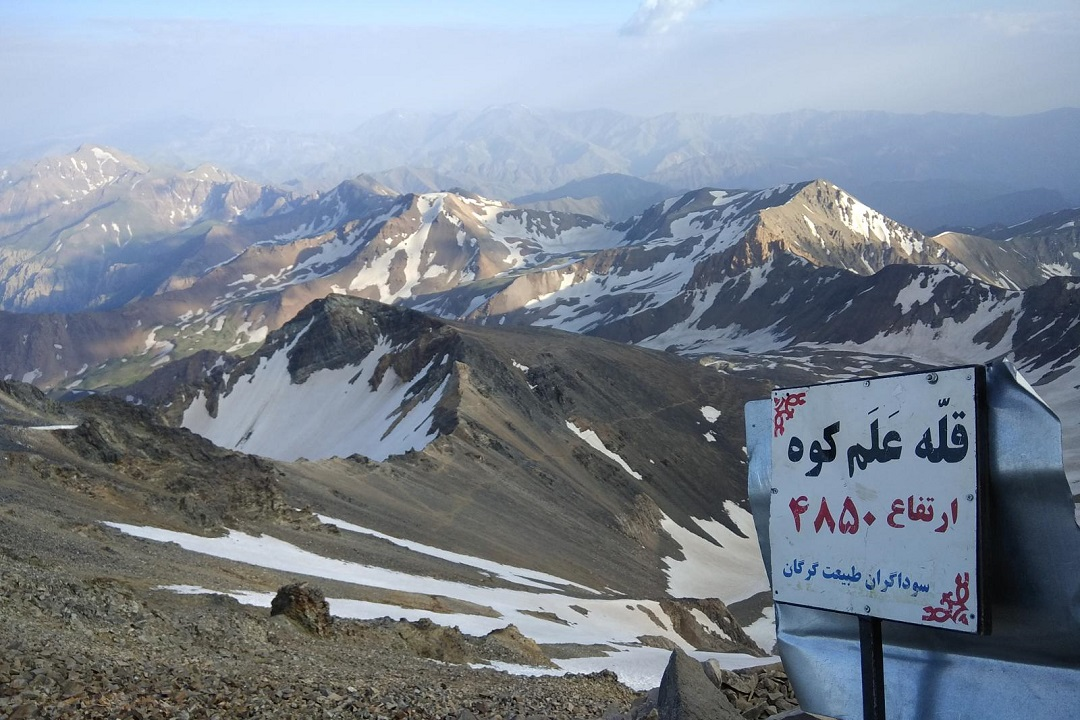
68	65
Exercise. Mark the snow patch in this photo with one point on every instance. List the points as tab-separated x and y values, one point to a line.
710	413
332	413
730	569
509	573
763	630
919	291
615	621
101	155
594	441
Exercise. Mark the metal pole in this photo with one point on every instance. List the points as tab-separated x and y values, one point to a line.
873	668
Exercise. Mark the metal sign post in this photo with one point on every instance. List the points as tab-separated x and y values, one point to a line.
876	491
873	668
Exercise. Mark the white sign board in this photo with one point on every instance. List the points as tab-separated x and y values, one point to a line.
875	496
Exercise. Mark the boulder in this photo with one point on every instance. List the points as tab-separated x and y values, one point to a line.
304	605
686	693
508	643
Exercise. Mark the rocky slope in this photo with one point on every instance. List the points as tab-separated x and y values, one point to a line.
92	632
498	414
109	645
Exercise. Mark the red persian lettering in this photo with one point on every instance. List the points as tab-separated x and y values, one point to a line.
953	605
798	506
849	518
785	410
824	516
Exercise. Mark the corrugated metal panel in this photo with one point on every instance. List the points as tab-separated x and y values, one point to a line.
1029	665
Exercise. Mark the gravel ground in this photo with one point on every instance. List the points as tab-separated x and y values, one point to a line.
84	633
105	649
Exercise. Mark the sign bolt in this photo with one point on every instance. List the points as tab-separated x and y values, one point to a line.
775	491
970	497
867	609
931	378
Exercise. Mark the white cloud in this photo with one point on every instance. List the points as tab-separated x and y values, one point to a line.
658	16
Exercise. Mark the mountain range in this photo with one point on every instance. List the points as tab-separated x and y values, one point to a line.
683	274
929	171
467	390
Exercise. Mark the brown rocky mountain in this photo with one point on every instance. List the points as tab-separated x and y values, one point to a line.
236	282
466	413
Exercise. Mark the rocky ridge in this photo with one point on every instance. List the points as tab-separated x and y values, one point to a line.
494	407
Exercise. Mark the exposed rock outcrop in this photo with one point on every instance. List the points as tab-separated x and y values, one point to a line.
304	605
508	642
730	638
755	692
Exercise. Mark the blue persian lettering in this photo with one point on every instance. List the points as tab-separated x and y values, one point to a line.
880	581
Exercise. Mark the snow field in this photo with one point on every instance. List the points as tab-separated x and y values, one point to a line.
613	621
340	414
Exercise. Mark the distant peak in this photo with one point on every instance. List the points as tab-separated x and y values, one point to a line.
101	154
207	171
815	185
820	188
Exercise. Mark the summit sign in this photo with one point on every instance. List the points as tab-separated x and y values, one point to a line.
877	486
